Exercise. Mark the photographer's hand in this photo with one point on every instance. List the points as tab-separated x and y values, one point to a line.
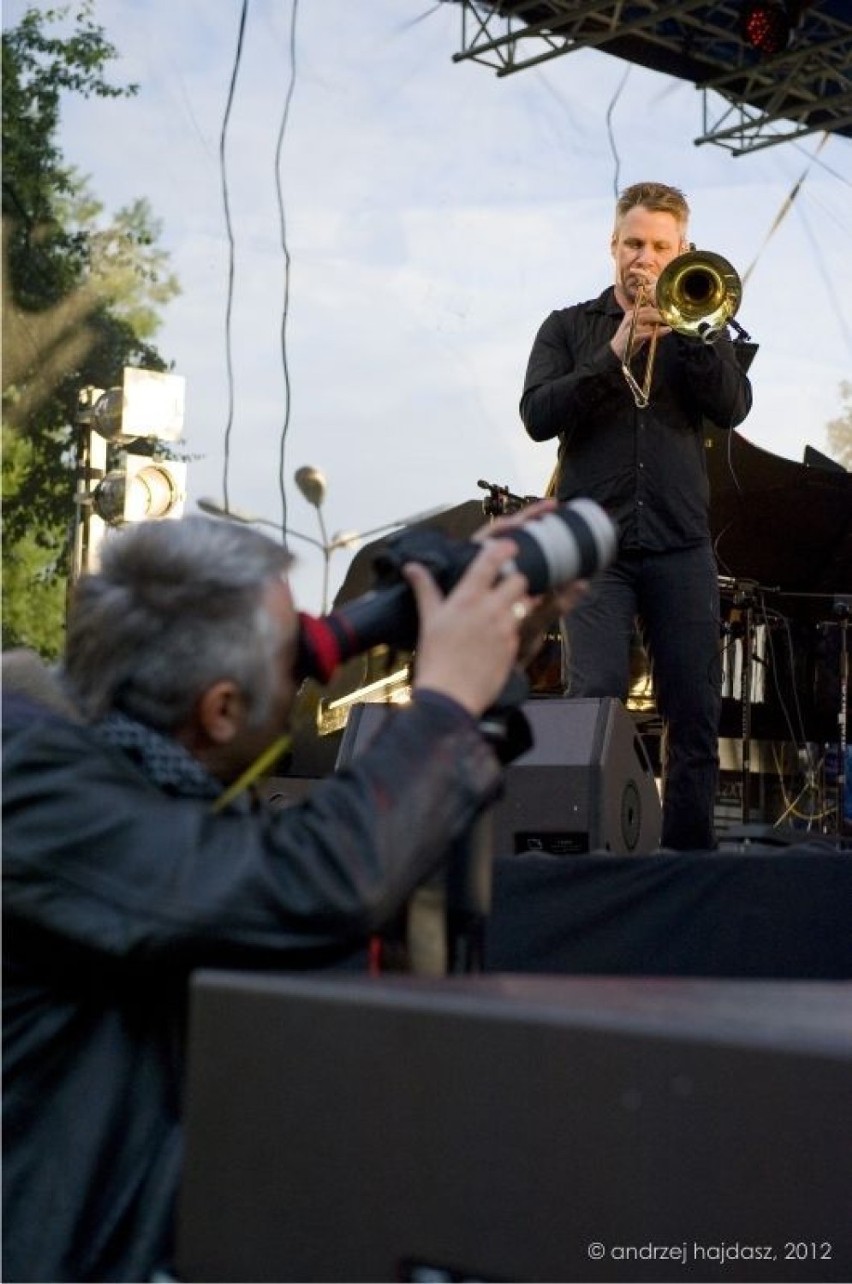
548	608
468	641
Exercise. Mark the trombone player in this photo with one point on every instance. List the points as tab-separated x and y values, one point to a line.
624	382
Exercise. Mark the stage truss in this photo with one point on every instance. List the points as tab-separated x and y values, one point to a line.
749	103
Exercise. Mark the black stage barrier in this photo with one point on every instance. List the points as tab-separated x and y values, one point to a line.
517	1128
785	913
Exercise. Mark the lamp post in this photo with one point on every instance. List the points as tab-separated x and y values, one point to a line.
215	509
312	485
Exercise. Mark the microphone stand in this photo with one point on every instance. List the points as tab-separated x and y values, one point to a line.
841	609
744	601
748	660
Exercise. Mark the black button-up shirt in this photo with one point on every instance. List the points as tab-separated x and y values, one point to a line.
647	468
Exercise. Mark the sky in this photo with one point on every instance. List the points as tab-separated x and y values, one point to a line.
433	214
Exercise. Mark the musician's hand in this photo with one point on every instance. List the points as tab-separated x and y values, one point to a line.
648	319
468	641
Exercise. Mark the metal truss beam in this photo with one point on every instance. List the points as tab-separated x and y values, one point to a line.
804	90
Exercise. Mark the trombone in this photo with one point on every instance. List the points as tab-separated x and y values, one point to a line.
698	293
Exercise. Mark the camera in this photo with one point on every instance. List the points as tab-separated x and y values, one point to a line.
572	542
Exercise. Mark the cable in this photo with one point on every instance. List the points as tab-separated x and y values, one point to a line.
829	169
828	282
229	365
413	22
785	207
810	787
797	734
610	109
285	311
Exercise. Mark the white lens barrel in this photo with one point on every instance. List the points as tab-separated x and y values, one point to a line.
560	547
574	542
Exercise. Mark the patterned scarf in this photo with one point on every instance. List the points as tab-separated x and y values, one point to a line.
166	763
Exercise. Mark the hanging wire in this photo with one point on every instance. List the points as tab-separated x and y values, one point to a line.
413	22
285	310
226	202
610	134
786	206
828	282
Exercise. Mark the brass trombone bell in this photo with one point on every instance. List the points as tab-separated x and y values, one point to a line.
697	294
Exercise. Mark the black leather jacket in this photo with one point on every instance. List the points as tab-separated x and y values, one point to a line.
114	892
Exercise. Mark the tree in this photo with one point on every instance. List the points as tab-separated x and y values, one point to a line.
840	430
81	300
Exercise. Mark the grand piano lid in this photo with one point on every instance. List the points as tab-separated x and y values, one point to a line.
461	522
784	525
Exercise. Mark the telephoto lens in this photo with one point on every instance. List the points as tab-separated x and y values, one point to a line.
573	542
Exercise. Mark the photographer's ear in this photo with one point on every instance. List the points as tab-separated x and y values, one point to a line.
221	711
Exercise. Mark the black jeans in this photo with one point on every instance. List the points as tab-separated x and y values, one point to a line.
675	597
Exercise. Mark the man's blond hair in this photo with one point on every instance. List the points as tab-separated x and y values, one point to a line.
658	197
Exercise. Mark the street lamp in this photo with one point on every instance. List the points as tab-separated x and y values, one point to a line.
215	509
312	484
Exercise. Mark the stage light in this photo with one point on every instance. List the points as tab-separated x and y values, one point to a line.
123	475
147	490
105	418
766	25
148	404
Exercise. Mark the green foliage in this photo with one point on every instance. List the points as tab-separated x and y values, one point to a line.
33	563
81	300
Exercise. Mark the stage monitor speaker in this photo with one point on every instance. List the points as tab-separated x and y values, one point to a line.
516	1128
364	721
586	785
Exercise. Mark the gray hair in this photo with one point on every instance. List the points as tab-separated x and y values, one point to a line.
174	607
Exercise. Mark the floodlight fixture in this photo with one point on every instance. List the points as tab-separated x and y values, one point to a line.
148	404
107	413
146	490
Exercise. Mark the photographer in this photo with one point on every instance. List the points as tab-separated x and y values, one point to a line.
132	858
